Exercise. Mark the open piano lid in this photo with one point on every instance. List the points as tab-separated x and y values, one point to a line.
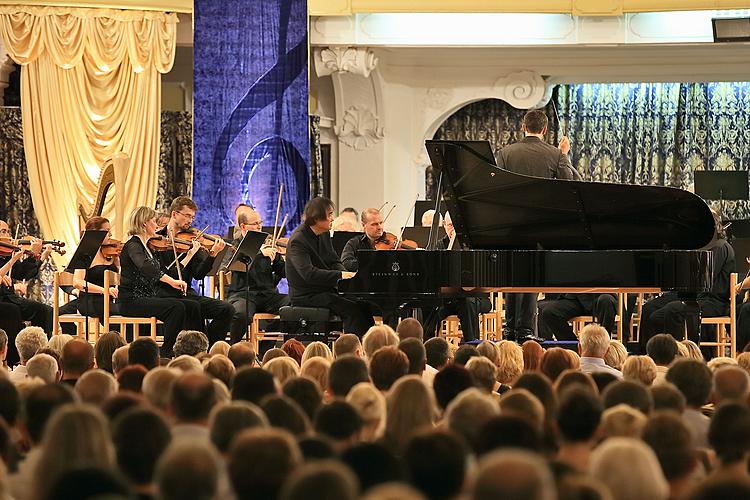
492	208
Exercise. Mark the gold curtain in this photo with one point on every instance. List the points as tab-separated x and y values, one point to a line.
90	87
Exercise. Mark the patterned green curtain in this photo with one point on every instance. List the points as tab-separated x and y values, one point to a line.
658	133
316	161
15	197
175	157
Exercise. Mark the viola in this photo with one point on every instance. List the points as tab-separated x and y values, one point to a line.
389	241
111	249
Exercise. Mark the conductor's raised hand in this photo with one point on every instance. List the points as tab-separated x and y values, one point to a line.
564	145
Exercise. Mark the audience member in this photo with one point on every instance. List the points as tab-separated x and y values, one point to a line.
415	352
616	355
641	479
450	382
720	362
510	362
410	408
532	355
570	378
252	384
694	381
387	365
28	341
467	414
43	366
92	481
508	431
514	474
594	343
321	480
371	406
694	352
271	354
578	417
228	420
346	372
119	403
186	363
410	328
484	374
729	436
191	400
670	439
376	337
436	463
294	349
743	360
306	393
373	464
190	343
105	347
640	368
144	351
220	368
77	359
120	359
220	347
731	383
340	422
464	353
131	378
438	353
662	348
157	386
622	421
521	403
540	387
242	354
347	343
284	413
95	386
188	469
317	369
603	380
316	349
490	351
631	393
555	361
667	397
57	342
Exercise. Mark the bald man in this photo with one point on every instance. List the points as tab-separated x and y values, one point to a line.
266	271
372	222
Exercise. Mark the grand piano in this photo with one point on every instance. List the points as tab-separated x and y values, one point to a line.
527	234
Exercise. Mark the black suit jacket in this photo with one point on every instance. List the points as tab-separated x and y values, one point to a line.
312	266
349	255
532	156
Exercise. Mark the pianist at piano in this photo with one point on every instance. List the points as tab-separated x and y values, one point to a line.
313	269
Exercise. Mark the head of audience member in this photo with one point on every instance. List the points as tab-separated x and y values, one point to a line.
643	477
729	435
282	368
319	480
743	361
220	368
555	361
668	397
285	413
43	366
489	350
11	402
219	347
144	351
603	380
464	353
693	379
191	343
131	378
622	421
242	354
157	386
95	386
468	412
273	353
514	474
579	413
693	351
571	378
3	346
666	433
373	464
438	353
75	436
120	359
450	382
306	393
347	343
410	328
119	403
510	362
186	363
28	341
387	365
317	369
371	406
91	481
682	350
316	447
524	405
616	355
721	488
508	431
188	469
532	355
191	399
376	337
57	342
137	458
719	362
316	349
731	383
77	359
428	216
593	341
340	422
662	348
410	407
229	419
540	386
640	368
631	393
415	352
483	372
436	463
294	349
252	384
105	347
318	214
41	402
346	372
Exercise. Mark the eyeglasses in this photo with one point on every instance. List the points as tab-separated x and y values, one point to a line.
191	217
258	223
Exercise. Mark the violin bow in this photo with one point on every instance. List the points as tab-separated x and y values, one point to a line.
200	233
278	209
388	214
10	271
382	206
408	216
281	230
179	270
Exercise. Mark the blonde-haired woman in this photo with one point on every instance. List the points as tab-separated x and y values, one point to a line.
411	407
140	274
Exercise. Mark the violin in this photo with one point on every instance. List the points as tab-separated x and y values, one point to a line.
7	248
206	240
389	241
161	243
111	249
281	244
10	245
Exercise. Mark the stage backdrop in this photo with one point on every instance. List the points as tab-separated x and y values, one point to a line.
250	123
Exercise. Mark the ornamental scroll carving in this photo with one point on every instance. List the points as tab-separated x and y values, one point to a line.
360	128
523	89
356	60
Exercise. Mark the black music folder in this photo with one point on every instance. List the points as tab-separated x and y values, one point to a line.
340	238
86	251
247	250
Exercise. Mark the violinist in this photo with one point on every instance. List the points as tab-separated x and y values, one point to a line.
266	270
372	221
90	282
139	278
313	269
15	268
194	264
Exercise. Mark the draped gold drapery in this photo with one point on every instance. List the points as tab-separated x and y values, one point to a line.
90	87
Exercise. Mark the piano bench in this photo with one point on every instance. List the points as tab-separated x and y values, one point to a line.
297	320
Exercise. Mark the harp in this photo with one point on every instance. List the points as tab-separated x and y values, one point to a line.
114	172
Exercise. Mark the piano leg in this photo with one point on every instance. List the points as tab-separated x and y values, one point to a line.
692	315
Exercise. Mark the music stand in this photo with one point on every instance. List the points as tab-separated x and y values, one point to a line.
339	239
90	243
243	258
421	234
722	185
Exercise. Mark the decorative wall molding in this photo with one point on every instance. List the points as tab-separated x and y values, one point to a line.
522	89
356	60
361	128
437	98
